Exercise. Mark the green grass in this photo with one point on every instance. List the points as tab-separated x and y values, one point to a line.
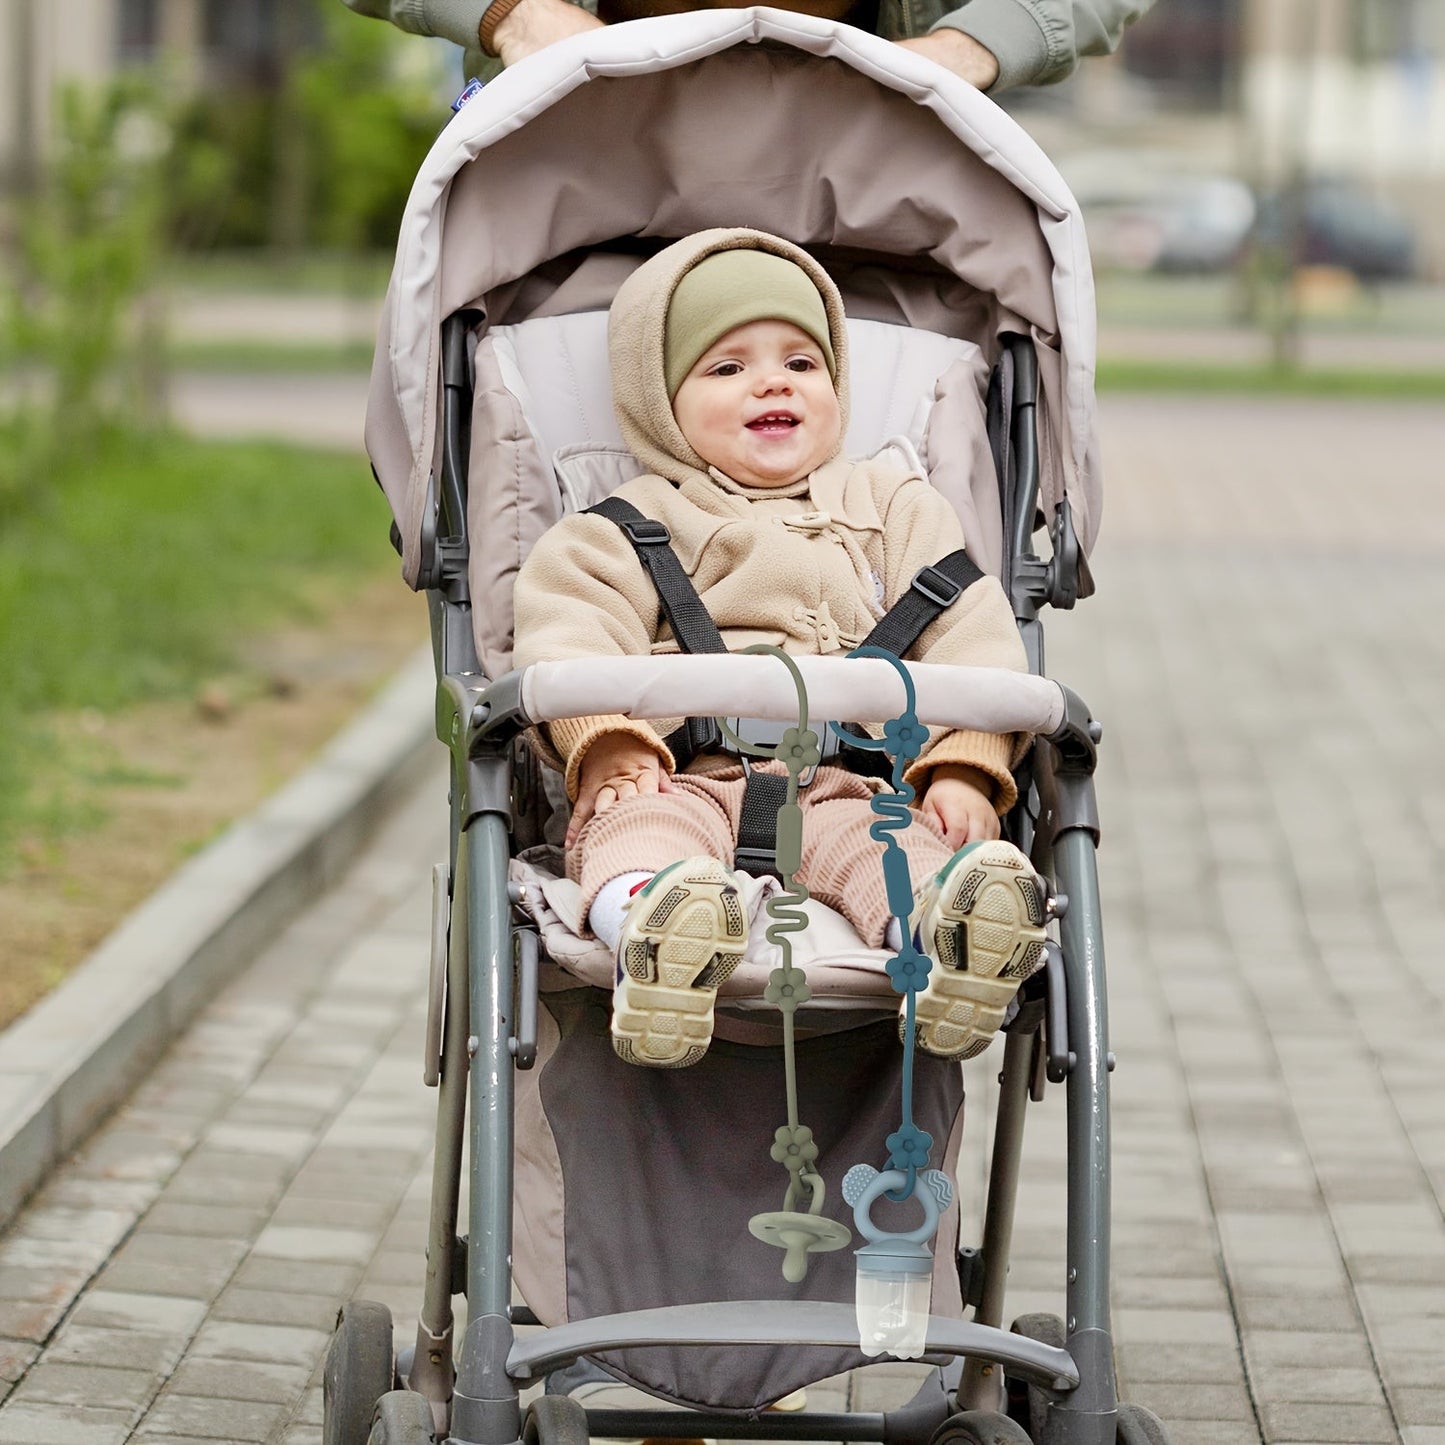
136	572
1196	377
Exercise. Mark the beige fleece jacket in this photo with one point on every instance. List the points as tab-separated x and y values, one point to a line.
809	567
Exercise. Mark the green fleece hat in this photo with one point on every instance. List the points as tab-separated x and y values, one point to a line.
728	289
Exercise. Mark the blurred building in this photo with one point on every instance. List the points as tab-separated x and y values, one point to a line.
1338	96
1351	91
48	43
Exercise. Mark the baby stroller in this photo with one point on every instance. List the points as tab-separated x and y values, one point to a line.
963	265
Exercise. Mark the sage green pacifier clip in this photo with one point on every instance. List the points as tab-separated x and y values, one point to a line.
799	1232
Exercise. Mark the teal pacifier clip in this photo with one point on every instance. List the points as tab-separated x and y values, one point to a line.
799	1232
895	1269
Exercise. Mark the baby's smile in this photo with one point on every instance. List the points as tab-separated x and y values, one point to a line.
777	423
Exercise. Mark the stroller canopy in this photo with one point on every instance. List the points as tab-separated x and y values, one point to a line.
929	204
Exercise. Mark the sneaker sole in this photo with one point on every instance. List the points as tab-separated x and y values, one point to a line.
987	928
683	936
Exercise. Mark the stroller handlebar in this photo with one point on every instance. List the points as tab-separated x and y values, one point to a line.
985	699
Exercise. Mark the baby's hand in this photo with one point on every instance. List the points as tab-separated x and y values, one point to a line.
958	799
617	766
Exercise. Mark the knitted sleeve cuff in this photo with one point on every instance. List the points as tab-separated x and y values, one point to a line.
573	736
1015	35
991	753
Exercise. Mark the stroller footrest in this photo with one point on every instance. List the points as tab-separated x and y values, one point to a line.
777	1322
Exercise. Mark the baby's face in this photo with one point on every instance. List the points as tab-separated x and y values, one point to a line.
760	405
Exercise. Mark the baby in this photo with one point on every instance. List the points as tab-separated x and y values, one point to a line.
729	374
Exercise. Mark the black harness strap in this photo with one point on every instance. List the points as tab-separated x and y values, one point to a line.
932	590
763	795
691	623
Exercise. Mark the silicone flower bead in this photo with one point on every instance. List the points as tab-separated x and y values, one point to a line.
794	1147
908	968
787	985
905	736
800	748
908	1147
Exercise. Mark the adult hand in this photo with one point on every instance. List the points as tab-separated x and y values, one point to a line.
953	50
617	766
958	800
536	24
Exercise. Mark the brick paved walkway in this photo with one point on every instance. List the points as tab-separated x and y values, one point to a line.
1266	657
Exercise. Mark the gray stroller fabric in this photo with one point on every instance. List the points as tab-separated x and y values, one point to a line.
661	1169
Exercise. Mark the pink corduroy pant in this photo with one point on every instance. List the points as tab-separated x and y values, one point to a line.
842	866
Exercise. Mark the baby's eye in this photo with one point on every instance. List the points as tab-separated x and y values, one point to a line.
801	363
725	368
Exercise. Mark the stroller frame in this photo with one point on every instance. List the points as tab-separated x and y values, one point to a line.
482	1025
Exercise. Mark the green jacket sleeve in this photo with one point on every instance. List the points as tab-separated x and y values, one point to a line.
454	20
1038	42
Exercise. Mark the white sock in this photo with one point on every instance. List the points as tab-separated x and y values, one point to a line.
893	936
604	918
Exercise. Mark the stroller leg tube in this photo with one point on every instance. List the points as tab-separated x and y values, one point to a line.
484	1407
1086	1415
432	1373
982	1387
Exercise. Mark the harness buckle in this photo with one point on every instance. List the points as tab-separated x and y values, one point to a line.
645	532
938	588
757	861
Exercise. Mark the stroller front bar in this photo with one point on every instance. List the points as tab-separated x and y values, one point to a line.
984	698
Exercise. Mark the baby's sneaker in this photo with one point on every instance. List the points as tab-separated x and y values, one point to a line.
981	920
684	933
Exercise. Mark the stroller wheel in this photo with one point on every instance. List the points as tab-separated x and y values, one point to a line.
1138	1426
358	1372
555	1420
1027	1404
980	1427
402	1418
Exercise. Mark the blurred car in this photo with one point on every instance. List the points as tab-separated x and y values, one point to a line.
1142	217
1333	221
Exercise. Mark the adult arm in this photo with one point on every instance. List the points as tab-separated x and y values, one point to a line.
1026	42
530	26
454	20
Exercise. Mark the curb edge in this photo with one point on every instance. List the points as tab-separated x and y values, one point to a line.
68	1061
